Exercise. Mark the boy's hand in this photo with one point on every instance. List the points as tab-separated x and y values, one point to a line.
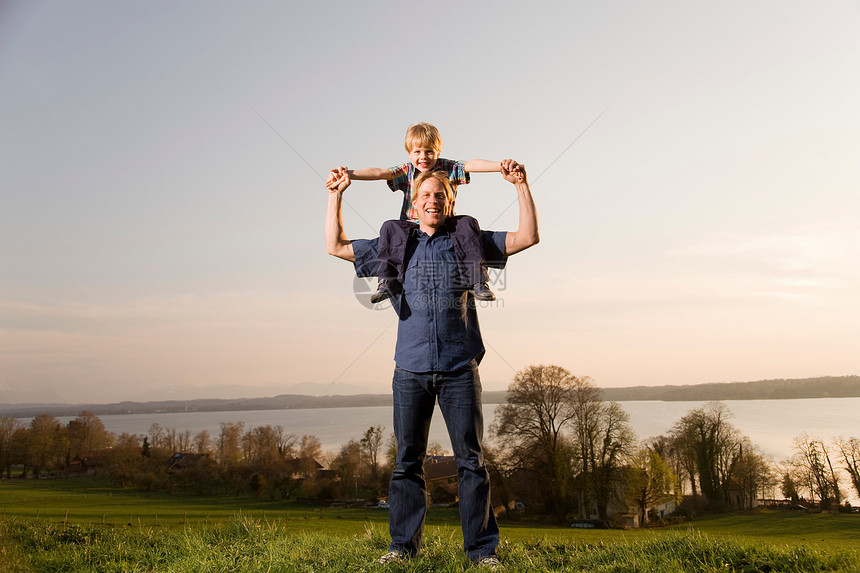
332	176
336	172
338	180
513	171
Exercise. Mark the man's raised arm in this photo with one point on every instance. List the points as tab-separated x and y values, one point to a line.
526	234
336	242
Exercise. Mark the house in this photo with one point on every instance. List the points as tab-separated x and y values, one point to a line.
301	468
440	474
627	520
440	468
621	511
183	460
740	499
87	463
664	509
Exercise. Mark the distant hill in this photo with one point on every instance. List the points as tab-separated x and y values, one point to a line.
781	389
282	402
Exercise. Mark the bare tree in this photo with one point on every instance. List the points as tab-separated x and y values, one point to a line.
310	451
850	450
125	460
613	439
47	443
351	467
650	481
813	460
502	468
309	454
171	441
436	449
371	443
229	443
682	451
183	441
752	474
19	449
788	485
8	426
261	444
670	451
557	426
531	428
706	437
157	436
87	433
202	442
391	453
286	442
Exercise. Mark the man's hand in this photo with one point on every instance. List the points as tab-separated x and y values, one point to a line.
338	180
332	176
526	234
335	174
513	171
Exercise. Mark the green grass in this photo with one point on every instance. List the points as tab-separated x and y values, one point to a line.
246	545
246	534
88	501
780	527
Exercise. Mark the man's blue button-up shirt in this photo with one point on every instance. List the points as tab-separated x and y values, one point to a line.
438	327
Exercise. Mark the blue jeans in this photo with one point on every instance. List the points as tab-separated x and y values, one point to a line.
459	395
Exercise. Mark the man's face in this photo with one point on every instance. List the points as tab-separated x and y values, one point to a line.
432	203
423	158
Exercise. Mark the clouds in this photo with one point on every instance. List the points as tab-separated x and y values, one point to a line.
161	204
813	264
119	349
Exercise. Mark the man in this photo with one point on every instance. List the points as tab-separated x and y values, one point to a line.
437	353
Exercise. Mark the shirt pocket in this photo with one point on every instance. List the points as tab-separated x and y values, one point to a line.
413	281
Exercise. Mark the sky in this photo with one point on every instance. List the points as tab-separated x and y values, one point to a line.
694	167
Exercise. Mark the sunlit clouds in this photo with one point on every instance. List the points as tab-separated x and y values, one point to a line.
694	169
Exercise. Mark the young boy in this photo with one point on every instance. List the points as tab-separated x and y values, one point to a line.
424	144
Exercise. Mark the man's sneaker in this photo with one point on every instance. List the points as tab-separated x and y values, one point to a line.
492	563
483	292
391	557
387	288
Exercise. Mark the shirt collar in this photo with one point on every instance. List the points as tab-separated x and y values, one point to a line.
443	230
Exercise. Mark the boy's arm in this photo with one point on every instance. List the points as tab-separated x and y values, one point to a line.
370	174
482	166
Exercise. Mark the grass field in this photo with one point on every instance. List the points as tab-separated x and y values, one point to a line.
85	525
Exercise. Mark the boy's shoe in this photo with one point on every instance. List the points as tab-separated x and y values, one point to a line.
387	288
483	292
492	563
391	557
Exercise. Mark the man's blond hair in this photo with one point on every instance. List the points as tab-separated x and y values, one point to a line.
423	135
443	179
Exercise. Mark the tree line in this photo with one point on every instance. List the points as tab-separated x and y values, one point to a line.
557	442
264	460
555	445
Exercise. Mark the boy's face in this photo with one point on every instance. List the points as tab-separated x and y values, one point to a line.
423	158
432	203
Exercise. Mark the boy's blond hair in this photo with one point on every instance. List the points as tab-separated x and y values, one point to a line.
441	176
423	135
